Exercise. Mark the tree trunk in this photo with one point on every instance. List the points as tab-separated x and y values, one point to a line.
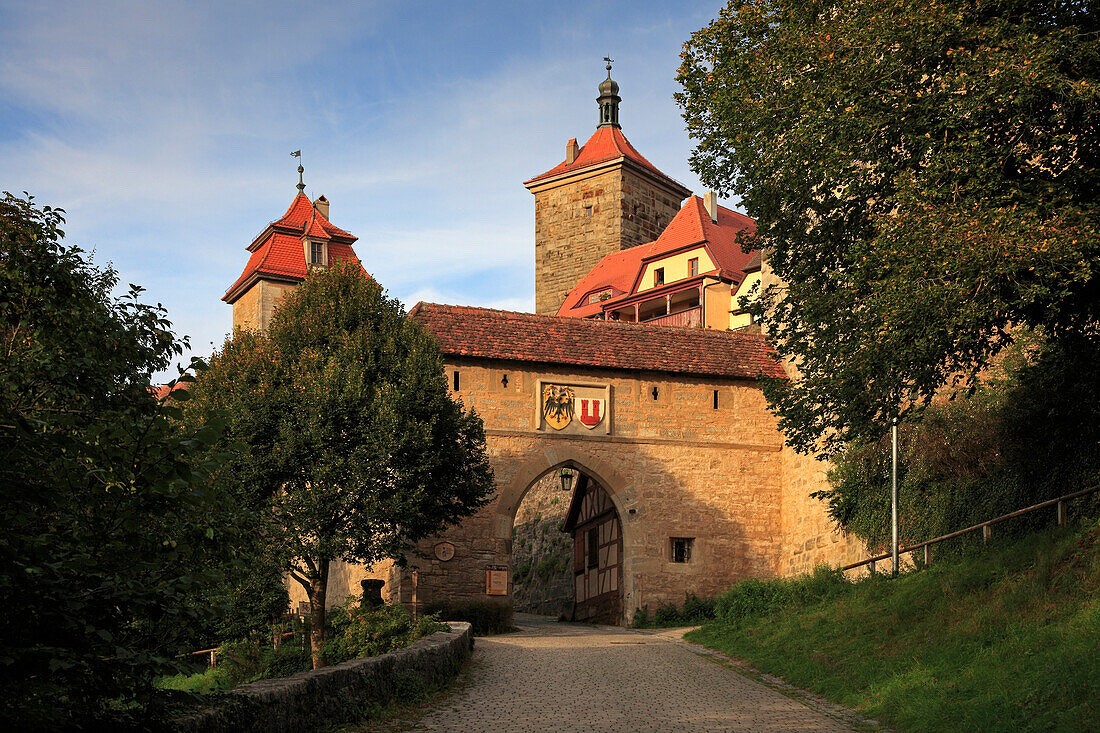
318	585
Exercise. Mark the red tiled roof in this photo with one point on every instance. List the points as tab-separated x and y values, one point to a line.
278	252
692	225
605	145
526	337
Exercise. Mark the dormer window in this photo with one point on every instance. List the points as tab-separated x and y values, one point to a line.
659	276
693	267
316	253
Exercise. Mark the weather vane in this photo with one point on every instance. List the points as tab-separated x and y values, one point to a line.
609	61
301	184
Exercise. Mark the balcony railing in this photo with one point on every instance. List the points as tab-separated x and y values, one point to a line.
693	317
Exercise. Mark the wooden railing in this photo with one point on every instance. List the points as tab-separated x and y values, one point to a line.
986	528
692	317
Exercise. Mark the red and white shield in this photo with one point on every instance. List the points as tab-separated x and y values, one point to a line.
590	411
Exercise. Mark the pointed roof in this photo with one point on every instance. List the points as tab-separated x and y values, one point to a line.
278	253
691	227
607	145
465	331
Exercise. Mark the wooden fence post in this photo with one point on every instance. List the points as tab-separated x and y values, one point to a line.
1062	514
987	532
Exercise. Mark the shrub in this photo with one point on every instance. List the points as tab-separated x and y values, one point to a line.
695	610
754	597
356	631
1031	433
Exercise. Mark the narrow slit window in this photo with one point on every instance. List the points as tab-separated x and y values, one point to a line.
456	382
655	392
715	399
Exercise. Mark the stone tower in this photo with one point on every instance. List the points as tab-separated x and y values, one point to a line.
282	255
604	197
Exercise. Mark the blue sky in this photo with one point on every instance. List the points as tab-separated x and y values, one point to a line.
164	130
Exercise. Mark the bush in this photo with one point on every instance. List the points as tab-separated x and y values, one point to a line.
1031	433
695	610
754	598
484	618
356	632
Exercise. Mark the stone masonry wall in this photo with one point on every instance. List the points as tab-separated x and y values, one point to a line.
626	210
674	467
338	694
254	309
810	538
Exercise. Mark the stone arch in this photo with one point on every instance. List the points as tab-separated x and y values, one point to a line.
542	460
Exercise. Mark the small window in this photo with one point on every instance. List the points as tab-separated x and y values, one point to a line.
456	382
588	210
659	276
316	253
715	400
599	297
656	392
593	547
680	549
693	267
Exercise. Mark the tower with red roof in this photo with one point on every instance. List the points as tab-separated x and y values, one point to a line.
603	198
281	257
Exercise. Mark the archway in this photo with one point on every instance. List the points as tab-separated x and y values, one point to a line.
590	523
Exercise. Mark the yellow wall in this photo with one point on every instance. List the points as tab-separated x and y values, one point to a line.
676	267
716	304
746	287
253	310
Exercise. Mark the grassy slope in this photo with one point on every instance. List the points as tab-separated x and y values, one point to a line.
1007	640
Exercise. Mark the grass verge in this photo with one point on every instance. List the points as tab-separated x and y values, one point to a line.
1007	639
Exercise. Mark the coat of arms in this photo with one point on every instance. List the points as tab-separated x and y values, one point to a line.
591	410
558	405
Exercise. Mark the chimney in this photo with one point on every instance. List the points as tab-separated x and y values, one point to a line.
321	204
571	151
710	203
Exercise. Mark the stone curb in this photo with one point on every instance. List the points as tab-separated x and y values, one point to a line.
341	693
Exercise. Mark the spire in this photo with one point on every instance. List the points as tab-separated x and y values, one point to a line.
609	99
301	184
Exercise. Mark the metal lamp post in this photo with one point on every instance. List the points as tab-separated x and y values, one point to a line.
894	496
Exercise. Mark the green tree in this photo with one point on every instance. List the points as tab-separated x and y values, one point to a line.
108	531
924	178
352	447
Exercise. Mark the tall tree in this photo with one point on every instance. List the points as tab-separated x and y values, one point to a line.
108	530
352	446
924	178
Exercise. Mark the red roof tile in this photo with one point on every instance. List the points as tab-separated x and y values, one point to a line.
692	225
278	252
605	145
526	337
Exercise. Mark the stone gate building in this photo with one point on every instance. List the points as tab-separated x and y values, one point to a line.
644	388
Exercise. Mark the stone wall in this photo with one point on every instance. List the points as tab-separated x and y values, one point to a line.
337	694
586	217
253	310
810	538
674	467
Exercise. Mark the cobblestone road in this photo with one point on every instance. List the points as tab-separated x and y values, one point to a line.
566	677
